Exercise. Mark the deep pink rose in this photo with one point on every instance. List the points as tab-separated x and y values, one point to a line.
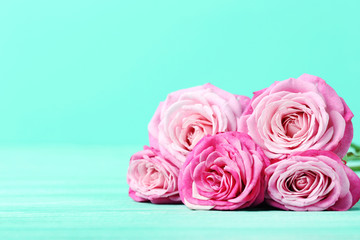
298	115
312	181
188	115
223	172
153	178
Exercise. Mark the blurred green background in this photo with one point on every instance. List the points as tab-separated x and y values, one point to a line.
93	72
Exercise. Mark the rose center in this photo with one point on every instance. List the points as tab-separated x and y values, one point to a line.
214	181
194	133
292	124
222	182
190	136
300	181
152	178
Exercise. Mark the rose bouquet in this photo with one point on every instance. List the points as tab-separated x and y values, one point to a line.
286	146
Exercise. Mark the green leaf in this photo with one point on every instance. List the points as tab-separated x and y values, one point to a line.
350	156
355	147
355	168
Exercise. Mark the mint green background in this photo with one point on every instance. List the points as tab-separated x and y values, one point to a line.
93	72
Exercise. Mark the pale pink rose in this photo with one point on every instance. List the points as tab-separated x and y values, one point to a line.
188	115
223	172
153	178
298	115
312	181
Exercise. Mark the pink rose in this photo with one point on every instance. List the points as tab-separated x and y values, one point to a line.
152	178
223	172
188	115
298	115
312	181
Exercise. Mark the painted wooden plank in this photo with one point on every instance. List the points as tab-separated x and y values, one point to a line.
81	193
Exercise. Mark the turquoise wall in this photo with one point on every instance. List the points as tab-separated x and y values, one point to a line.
93	72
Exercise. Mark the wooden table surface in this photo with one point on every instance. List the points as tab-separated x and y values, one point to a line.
72	192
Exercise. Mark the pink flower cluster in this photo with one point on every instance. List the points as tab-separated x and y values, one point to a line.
211	149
